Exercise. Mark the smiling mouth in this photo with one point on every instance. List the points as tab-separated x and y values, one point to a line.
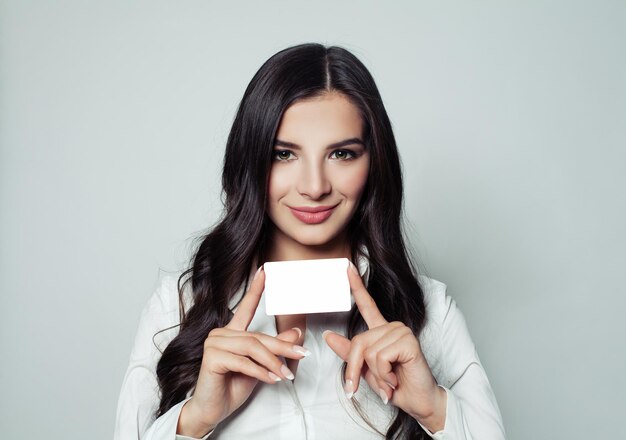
313	215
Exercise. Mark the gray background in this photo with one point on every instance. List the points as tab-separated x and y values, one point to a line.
510	121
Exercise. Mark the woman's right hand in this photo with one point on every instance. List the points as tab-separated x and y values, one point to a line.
233	362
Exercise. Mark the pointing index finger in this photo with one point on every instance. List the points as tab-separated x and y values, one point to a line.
364	301
248	305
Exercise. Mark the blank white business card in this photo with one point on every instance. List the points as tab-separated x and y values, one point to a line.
307	286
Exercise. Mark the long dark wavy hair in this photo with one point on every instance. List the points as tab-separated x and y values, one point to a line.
224	256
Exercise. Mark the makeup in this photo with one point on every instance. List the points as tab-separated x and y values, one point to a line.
312	215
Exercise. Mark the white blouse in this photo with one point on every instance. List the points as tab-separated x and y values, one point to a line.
314	405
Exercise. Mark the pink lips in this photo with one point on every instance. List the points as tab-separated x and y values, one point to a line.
312	214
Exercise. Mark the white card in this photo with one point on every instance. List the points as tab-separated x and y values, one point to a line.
307	286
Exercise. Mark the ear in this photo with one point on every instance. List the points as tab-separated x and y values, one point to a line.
339	344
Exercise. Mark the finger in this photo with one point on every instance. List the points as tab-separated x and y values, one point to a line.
229	362
337	343
248	305
384	366
278	347
389	348
384	391
341	346
404	349
364	301
251	347
285	343
352	352
355	363
292	335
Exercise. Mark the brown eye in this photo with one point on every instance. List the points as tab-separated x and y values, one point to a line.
343	154
282	155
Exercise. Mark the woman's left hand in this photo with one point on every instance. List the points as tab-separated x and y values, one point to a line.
389	357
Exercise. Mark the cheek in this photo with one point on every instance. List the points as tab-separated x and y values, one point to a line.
353	183
277	185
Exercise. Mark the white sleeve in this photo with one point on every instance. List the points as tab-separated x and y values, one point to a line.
139	397
472	410
165	426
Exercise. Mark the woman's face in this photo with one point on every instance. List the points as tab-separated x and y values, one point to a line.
319	170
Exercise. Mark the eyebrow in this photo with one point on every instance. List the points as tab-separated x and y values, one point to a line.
351	141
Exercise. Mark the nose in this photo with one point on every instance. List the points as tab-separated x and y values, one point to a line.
313	182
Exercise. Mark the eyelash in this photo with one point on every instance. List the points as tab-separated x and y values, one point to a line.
275	153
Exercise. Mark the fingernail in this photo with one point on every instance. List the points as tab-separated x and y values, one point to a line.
287	372
299	332
274	377
324	333
348	388
256	275
301	350
353	268
391	385
383	396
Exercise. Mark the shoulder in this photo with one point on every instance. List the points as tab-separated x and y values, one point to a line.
434	294
164	298
164	303
441	308
435	298
445	339
160	315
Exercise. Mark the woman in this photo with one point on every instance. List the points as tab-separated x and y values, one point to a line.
311	171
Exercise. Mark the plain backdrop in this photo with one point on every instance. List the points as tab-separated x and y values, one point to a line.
510	119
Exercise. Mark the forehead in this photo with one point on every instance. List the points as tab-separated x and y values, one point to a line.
327	116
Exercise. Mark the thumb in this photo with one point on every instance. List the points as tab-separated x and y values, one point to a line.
339	344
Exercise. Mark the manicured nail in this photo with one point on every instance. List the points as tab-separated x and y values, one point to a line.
287	372
383	396
274	377
348	388
324	333
301	350
353	268
299	332
256	275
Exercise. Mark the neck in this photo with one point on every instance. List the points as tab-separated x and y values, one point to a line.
284	249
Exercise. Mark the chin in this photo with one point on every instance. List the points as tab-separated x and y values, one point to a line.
319	238
312	241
